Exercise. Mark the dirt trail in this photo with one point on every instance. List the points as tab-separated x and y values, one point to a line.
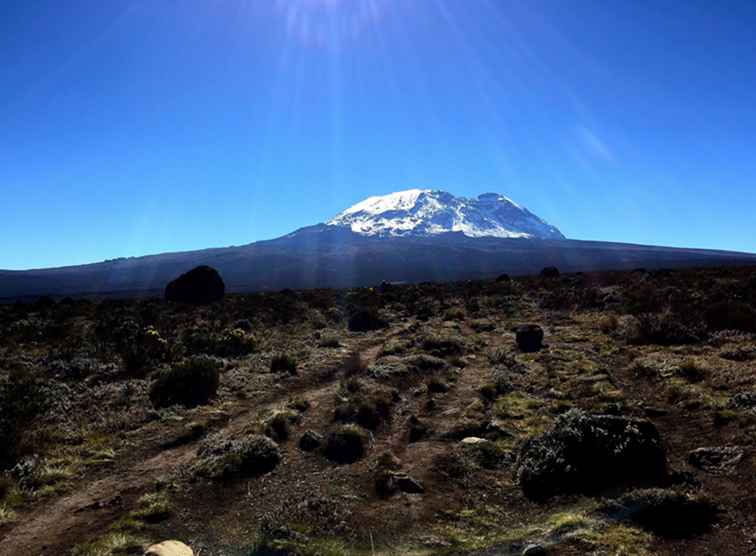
52	529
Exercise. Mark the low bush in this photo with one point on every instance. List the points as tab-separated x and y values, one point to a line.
23	397
283	363
234	343
346	445
584	453
663	329
731	315
222	458
190	383
442	345
366	320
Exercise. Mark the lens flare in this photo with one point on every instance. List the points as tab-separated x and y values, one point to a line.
329	22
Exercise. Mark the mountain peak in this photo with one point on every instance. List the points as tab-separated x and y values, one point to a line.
423	212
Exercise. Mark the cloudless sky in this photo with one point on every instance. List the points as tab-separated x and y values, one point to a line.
140	126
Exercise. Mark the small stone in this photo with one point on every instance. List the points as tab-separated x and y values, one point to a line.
310	441
408	484
534	550
473	440
169	548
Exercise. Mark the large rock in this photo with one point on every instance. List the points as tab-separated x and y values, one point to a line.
198	286
169	548
665	512
529	337
366	320
550	272
584	453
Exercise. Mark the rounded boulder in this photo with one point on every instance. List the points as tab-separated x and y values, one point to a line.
199	286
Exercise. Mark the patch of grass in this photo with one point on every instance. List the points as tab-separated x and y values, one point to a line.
619	539
112	544
152	507
7	515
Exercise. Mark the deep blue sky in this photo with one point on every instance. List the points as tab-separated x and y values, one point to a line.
140	126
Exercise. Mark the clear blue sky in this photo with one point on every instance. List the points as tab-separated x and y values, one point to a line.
145	126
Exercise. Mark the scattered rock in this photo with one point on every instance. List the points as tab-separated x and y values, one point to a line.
199	286
534	550
310	441
529	337
389	483
417	430
665	512
366	320
473	440
169	548
716	459
550	272
503	278
584	453
408	484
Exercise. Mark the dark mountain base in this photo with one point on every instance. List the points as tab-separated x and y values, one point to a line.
329	257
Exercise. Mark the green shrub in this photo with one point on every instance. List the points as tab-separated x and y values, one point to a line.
283	363
329	340
278	425
235	343
191	383
222	458
443	345
23	397
731	315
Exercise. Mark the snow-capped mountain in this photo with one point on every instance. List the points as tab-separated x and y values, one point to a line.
424	212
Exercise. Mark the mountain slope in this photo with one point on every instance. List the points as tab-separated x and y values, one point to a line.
424	212
331	256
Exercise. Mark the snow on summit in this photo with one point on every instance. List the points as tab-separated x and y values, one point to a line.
422	212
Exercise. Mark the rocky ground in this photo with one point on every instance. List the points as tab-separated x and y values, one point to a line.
403	419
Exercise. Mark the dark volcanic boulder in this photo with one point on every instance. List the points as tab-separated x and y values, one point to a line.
550	272
365	320
584	453
529	337
198	286
310	441
665	512
731	315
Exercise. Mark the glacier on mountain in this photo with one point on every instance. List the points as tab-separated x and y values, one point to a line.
423	212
